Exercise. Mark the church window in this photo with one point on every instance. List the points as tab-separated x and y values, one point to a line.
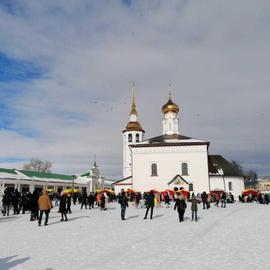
230	186
184	168
154	169
190	187
129	137
137	137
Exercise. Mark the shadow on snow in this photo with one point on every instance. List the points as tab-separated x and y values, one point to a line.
9	262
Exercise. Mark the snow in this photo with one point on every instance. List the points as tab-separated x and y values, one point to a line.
236	237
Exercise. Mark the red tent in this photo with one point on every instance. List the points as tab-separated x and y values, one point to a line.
251	191
184	192
129	190
154	191
216	191
168	191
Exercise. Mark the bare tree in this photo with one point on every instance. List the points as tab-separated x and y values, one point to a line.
37	165
251	178
238	167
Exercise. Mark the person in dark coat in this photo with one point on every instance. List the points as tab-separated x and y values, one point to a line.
91	200
150	203
84	200
181	206
266	198
167	200
24	202
223	200
123	201
204	200
138	198
68	204
6	201
15	201
194	207
33	205
103	202
63	207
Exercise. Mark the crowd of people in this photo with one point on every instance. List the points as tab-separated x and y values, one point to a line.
39	203
261	198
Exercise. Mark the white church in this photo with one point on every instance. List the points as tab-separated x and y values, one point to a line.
172	160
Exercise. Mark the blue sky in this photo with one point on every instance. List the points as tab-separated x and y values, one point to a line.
17	70
66	71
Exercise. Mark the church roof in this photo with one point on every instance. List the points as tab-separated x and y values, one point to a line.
133	126
170	140
122	181
170	106
47	175
216	162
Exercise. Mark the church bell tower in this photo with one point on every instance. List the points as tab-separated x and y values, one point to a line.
170	119
132	134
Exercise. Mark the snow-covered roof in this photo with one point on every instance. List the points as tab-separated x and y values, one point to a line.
14	174
170	140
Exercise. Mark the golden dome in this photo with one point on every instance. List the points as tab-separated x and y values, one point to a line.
170	106
133	126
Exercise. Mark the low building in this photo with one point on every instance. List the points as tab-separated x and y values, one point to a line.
223	175
263	184
29	181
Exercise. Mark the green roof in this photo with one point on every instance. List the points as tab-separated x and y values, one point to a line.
12	171
85	174
47	175
217	161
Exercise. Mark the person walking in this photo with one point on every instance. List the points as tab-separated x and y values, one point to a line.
138	198
63	207
45	206
15	201
204	200
217	197
194	207
123	201
223	200
150	202
91	200
167	200
68	204
84	200
6	201
98	199
103	202
181	206
34	205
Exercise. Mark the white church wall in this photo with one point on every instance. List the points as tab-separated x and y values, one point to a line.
237	186
169	160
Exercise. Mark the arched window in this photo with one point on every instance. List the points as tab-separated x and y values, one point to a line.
129	137
137	137
154	169
230	186
184	169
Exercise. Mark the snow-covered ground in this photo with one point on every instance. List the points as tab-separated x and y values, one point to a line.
236	237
